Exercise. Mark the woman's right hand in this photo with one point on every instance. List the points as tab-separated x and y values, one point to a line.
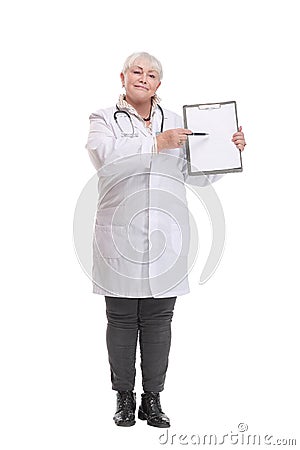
172	138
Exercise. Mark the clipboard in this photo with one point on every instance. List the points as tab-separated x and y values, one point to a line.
214	152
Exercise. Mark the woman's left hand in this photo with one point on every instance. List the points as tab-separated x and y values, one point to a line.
239	139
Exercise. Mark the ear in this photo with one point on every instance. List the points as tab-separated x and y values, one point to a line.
122	78
158	85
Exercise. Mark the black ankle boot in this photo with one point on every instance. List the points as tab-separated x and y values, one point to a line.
151	411
126	404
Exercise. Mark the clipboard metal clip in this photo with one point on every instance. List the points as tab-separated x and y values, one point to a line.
210	106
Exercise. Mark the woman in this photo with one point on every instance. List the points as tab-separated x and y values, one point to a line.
141	235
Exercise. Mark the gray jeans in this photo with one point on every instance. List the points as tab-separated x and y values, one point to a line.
150	319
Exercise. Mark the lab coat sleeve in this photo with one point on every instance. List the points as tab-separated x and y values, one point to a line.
104	146
199	180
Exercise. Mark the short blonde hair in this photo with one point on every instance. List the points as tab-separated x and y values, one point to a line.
153	62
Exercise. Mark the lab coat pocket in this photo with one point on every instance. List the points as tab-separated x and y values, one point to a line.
180	239
109	240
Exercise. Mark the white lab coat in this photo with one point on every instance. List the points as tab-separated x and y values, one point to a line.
141	232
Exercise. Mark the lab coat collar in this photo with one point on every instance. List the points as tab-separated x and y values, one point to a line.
124	105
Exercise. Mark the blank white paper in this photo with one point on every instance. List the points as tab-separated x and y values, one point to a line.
215	152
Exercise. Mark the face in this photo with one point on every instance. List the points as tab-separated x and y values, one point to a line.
141	82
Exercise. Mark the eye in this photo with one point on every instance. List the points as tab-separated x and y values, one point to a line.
137	71
152	76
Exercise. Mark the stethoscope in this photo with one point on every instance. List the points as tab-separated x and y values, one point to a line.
132	133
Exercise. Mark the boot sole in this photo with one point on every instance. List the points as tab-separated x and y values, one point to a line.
126	424
143	416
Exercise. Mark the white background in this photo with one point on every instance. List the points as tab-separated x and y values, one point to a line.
235	353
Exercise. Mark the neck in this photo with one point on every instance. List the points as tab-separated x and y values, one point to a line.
143	108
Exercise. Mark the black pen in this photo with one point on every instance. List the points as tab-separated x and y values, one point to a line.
198	134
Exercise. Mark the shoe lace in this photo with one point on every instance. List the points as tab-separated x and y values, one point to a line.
154	402
126	401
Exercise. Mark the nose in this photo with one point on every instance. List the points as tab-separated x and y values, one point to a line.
143	78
